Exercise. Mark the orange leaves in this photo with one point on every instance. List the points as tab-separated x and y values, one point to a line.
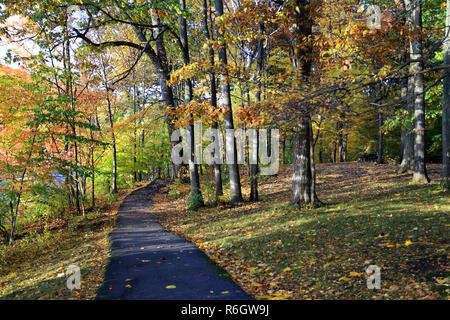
199	110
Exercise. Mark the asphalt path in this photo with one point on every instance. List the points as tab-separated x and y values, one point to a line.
149	263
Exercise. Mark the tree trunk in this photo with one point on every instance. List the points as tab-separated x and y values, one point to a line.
446	107
303	182
235	183
212	78
188	93
414	9
301	164
260	66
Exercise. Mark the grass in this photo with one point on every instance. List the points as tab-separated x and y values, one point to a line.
371	216
35	266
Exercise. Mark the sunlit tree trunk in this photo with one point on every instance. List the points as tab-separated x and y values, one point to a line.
212	79
188	93
414	9
260	68
301	164
235	183
303	180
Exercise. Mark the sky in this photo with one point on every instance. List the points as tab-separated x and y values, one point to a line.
25	47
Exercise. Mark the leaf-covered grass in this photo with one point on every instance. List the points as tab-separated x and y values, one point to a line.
35	266
370	216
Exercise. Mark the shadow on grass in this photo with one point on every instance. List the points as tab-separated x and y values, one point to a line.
51	289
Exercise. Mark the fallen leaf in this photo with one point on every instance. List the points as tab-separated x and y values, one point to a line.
355	274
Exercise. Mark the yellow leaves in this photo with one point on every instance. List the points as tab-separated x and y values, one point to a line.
287	269
344	279
186	72
355	274
282	295
171	287
441	281
273	284
397	245
408	243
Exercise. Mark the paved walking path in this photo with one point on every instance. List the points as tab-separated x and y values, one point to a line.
148	262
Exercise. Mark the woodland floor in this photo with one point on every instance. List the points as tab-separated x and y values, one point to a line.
371	216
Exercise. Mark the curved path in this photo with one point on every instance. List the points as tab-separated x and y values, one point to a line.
149	263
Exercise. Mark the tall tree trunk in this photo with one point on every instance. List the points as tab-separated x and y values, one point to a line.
303	188
212	78
260	68
446	107
414	9
193	167
235	183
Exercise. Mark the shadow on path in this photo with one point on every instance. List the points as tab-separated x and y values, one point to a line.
146	259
